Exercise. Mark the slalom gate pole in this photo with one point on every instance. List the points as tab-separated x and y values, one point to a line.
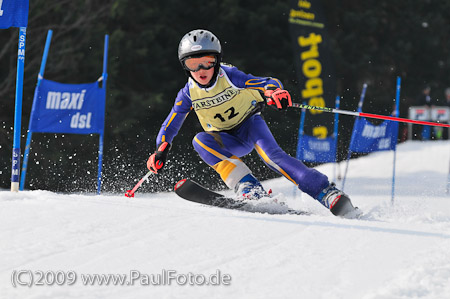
101	136
397	112
301	132
130	193
352	139
15	170
26	155
370	115
335	135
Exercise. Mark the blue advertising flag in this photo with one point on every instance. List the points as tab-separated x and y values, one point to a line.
371	138
314	149
13	13
68	108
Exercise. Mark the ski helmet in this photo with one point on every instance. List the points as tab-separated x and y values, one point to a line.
199	42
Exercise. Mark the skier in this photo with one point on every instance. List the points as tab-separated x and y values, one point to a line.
228	104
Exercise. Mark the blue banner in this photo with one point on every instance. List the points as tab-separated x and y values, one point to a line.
320	150
68	108
13	13
371	138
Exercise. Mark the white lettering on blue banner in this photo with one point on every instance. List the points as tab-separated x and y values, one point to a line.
318	145
384	143
309	156
65	100
370	131
81	121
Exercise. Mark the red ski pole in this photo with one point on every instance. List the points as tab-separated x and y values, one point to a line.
370	115
130	193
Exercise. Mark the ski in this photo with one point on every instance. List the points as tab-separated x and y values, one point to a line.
195	192
345	209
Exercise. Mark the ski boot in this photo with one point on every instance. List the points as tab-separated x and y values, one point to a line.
250	188
338	202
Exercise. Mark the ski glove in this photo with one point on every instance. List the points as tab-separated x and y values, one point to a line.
158	159
278	98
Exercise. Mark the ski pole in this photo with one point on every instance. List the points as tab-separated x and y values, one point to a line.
370	115
130	193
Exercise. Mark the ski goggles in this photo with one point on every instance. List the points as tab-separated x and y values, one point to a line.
204	62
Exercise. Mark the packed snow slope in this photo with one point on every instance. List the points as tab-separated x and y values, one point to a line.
399	250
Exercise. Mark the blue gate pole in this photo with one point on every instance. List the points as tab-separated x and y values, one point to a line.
100	145
352	139
29	135
335	134
100	158
397	112
300	133
299	142
15	171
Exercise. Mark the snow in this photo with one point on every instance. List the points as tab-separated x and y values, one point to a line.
394	251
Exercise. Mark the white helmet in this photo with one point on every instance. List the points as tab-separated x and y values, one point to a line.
199	42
